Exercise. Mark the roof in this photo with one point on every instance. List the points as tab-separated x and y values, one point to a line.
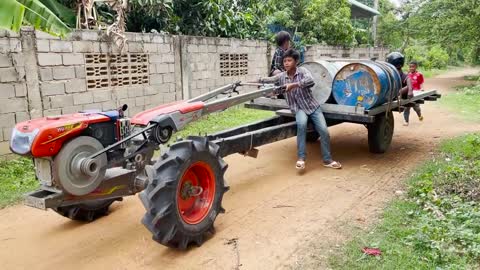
360	10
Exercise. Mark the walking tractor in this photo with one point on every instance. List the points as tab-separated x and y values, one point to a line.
88	160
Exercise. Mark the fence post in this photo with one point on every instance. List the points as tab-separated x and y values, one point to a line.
34	98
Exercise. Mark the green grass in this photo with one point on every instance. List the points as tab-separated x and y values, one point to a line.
224	120
16	177
429	73
465	102
437	224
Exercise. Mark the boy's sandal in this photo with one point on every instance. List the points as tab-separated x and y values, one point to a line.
333	165
300	165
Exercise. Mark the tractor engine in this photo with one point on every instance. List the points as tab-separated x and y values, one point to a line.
60	147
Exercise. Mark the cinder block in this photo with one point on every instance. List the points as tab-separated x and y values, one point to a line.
156	79
101	96
156	58
46	74
192	48
92	106
120	93
21	117
171	67
73	59
202	84
156	99
5	61
8	75
134	47
75	86
157	39
61	101
139	101
150	47
52	112
7	120
63	73
151	90
49	59
7	90
169	97
20	90
83	47
13	105
7	132
43	45
18	60
43	35
71	109
135	92
83	98
212	48
152	69
60	46
164	48
168	58
109	105
80	72
15	45
168	78
5	148
161	68
89	35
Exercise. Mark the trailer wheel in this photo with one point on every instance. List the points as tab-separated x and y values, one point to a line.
312	136
88	211
380	133
185	193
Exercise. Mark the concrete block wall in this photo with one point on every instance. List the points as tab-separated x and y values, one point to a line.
13	91
203	68
318	52
64	67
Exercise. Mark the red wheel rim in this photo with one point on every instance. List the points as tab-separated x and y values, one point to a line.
196	192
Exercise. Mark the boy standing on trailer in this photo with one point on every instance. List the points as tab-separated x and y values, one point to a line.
417	82
283	44
297	82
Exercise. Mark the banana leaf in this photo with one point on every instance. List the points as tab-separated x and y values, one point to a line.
14	13
66	14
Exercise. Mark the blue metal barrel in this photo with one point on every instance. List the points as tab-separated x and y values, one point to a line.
366	83
323	73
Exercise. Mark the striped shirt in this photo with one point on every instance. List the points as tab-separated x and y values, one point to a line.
277	60
300	98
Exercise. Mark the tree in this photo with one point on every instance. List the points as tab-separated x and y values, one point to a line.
15	13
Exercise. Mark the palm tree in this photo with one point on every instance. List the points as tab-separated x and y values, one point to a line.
15	13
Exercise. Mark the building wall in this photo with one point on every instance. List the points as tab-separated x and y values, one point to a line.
41	75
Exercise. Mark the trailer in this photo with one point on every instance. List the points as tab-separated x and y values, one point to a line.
86	161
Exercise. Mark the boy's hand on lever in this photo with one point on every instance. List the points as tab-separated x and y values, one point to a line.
291	86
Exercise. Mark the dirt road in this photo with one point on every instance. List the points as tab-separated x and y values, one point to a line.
273	214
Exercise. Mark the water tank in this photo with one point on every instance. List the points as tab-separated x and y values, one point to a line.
366	83
323	73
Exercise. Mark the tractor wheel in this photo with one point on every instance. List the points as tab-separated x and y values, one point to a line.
380	133
184	194
312	136
87	211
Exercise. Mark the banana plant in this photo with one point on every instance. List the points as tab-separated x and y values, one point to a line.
15	13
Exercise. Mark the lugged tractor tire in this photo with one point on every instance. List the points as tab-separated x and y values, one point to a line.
185	192
380	133
88	211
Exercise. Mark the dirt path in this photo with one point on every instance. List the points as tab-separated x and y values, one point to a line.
272	212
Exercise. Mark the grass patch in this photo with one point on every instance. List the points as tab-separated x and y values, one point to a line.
437	225
16	177
465	101
230	118
429	73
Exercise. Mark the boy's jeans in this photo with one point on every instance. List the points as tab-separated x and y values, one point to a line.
320	126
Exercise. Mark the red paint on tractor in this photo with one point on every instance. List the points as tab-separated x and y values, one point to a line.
143	118
54	131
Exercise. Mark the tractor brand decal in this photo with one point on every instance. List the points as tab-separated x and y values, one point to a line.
65	130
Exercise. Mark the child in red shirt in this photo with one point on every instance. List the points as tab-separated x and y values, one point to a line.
417	81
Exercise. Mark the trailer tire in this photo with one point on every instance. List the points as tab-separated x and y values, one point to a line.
184	194
380	133
88	211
